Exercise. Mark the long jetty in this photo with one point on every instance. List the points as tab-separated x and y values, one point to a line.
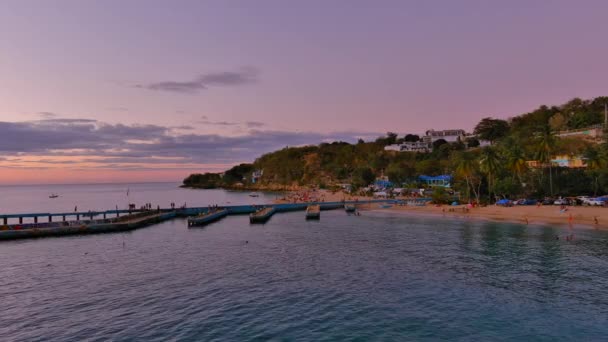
91	222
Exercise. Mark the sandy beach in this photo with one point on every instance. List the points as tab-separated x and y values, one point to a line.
318	196
596	217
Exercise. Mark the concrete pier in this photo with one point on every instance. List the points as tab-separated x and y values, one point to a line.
134	218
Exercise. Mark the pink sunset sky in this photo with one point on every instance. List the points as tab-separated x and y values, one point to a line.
111	91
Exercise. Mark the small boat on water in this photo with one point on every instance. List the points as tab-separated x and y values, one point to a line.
350	208
313	212
53	196
254	194
262	215
207	217
385	206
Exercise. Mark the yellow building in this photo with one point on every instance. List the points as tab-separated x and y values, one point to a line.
563	160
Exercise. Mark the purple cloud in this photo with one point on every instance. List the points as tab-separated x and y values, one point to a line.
244	75
146	143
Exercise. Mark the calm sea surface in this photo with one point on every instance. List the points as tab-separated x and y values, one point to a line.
378	276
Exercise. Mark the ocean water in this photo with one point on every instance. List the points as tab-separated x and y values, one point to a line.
97	197
375	277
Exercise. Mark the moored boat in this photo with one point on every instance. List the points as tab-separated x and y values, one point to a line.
254	194
313	212
261	215
207	217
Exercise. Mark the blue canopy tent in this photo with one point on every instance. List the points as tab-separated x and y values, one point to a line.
442	180
383	184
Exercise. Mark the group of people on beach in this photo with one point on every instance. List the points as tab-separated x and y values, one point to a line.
304	196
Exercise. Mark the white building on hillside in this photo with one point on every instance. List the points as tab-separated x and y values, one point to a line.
418	146
449	135
408	146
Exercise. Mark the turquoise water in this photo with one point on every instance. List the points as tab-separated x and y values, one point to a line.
374	277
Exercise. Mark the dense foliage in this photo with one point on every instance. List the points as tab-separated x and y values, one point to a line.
502	169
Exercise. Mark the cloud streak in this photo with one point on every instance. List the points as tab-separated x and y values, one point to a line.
61	142
47	115
245	75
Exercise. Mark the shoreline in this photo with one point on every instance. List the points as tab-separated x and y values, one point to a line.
574	217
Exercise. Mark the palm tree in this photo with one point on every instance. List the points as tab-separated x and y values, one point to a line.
594	160
544	151
516	162
465	167
489	163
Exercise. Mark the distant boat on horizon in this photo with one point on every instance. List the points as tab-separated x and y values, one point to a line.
254	194
53	196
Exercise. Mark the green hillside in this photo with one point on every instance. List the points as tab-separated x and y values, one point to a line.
483	173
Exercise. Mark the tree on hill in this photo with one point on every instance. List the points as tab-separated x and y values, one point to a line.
362	177
491	129
411	138
465	167
389	139
545	147
472	142
204	181
489	164
237	173
437	143
594	160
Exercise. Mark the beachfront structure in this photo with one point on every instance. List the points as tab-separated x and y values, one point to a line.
256	175
449	135
572	162
444	181
383	184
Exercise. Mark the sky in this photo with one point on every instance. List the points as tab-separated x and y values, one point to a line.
144	90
